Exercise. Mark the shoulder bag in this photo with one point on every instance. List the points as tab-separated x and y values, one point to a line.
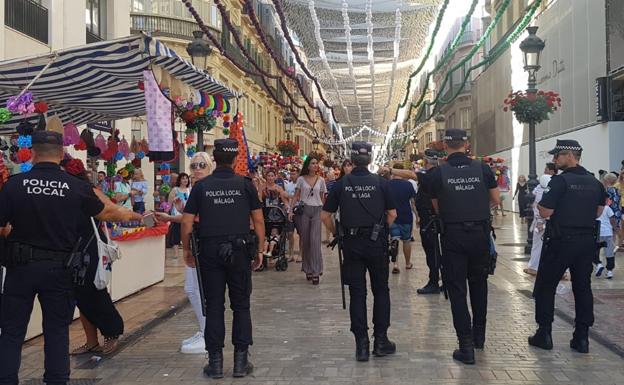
108	252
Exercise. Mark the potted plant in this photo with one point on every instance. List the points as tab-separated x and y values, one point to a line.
288	148
532	107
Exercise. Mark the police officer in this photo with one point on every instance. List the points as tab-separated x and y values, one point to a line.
366	212
224	203
428	235
45	207
463	191
572	202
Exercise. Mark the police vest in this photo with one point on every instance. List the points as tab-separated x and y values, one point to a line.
423	197
362	203
464	196
225	207
577	207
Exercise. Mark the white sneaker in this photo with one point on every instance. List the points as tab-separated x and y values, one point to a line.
609	274
192	338
599	269
195	346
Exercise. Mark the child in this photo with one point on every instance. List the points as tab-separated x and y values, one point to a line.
271	242
607	225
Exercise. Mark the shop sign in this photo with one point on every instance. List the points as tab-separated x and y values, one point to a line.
104	125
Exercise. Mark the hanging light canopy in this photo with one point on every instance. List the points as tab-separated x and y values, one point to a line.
199	50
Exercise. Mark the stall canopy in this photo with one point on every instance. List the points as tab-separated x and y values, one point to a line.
97	82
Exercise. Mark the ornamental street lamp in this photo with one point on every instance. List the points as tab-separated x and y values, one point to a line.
315	143
414	144
199	49
288	121
402	154
531	48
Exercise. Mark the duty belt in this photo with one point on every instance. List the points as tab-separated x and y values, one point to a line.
355	231
466	225
26	252
224	238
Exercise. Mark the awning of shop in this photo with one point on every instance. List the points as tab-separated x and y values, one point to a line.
97	82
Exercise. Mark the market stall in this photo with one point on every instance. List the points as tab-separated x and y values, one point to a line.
129	77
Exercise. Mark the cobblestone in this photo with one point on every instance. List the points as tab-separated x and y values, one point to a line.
301	336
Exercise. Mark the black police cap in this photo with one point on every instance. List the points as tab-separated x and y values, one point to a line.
225	146
432	154
361	148
455	134
565	145
47	137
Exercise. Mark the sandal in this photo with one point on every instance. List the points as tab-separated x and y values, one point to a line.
110	345
315	280
309	277
84	349
396	270
409	267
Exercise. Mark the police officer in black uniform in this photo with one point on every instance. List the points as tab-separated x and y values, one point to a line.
428	235
572	202
367	210
224	203
45	207
463	191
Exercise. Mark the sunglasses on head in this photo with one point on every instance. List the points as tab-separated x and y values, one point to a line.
200	165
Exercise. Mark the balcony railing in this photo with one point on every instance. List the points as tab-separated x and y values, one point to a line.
159	25
27	17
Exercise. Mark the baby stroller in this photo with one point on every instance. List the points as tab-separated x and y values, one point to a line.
276	218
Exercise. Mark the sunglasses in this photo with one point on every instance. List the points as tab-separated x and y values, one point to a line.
200	165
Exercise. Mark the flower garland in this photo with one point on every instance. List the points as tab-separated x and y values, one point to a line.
293	48
242	68
397	42
529	107
290	74
264	74
370	50
347	27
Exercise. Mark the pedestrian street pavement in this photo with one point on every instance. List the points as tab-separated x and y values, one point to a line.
301	335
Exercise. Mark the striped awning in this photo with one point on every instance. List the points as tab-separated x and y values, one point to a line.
97	82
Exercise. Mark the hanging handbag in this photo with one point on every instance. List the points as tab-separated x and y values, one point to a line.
298	209
108	252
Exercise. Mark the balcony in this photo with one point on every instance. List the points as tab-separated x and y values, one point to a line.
27	17
159	25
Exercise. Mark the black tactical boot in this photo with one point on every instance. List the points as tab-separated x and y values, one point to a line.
383	346
430	288
465	353
214	369
242	365
580	340
542	339
362	349
478	336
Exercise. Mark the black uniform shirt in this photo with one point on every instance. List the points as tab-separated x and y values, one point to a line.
333	199
459	159
193	205
423	196
46	207
557	187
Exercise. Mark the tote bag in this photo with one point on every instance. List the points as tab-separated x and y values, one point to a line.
108	252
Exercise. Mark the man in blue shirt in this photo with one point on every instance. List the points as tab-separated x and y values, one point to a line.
404	196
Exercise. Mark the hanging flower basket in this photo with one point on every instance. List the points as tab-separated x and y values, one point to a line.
532	107
288	148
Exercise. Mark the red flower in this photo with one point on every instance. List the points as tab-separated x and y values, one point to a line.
81	146
141	85
41	107
24	154
74	167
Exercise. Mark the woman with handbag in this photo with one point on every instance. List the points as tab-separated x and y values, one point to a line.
309	196
97	311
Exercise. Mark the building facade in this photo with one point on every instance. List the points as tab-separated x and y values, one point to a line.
572	62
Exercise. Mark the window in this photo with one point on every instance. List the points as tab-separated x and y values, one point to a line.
428	138
465	117
95	17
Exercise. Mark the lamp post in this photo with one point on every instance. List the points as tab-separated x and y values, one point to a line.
316	142
199	49
403	153
531	48
414	144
